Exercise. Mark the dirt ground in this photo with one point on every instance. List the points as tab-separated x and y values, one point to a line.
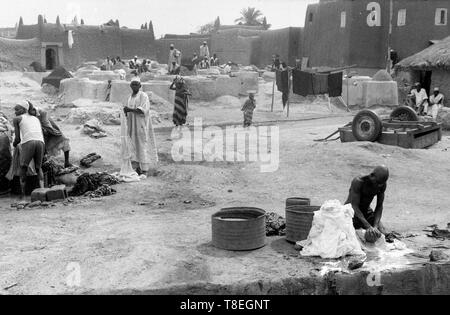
156	234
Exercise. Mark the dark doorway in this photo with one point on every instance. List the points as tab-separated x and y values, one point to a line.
425	80
50	59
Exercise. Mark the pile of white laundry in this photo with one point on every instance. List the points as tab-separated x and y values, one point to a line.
332	234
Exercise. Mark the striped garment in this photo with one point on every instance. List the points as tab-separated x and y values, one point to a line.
180	111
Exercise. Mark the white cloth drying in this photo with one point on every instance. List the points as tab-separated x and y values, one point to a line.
70	39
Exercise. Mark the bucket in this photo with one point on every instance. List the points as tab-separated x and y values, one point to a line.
239	229
299	220
298	201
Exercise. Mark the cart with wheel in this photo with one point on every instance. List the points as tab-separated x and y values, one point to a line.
402	129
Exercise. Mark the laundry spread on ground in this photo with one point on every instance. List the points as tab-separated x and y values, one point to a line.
94	184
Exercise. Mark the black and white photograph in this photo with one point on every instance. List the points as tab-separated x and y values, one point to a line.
225	154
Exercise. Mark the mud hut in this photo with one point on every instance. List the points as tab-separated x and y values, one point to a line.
430	67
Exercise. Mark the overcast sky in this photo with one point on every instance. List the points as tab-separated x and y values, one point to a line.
168	16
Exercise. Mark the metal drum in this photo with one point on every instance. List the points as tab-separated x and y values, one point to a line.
299	222
239	229
297	201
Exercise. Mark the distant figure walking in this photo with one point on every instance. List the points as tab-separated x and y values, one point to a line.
248	108
182	94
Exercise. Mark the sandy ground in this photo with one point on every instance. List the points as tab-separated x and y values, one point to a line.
156	234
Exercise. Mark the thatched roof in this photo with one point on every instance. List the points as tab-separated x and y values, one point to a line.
435	56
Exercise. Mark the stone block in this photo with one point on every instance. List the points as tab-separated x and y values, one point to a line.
39	194
160	88
58	192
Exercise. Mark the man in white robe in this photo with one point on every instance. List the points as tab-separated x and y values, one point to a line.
142	144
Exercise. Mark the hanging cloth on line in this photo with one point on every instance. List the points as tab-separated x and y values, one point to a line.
302	83
335	84
320	83
282	80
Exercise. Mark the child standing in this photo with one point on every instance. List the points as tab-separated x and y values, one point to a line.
248	108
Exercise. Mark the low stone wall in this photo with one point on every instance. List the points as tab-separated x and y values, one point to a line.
97	75
210	88
74	89
77	88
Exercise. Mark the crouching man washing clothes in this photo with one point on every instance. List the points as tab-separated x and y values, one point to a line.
362	192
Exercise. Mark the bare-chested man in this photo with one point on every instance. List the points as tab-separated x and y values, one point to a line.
362	192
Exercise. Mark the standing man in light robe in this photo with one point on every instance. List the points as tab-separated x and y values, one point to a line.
204	51
144	156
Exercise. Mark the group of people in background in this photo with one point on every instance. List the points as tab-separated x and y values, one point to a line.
425	105
110	63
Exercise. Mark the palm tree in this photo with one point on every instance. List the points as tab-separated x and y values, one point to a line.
250	16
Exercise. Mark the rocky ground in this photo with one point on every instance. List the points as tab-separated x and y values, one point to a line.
154	236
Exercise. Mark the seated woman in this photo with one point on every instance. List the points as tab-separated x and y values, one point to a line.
53	137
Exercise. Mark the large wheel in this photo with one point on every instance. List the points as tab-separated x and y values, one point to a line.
367	126
404	113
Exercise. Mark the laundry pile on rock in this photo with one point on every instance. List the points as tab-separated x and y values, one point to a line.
275	225
94	185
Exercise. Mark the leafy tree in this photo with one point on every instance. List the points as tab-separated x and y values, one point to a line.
250	16
206	29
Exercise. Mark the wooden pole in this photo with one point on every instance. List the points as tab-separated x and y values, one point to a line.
288	107
391	13
289	93
273	94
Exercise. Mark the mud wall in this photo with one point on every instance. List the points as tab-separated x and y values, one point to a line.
187	46
284	42
360	42
137	42
235	45
18	54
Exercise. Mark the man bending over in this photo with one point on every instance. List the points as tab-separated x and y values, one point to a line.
362	192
